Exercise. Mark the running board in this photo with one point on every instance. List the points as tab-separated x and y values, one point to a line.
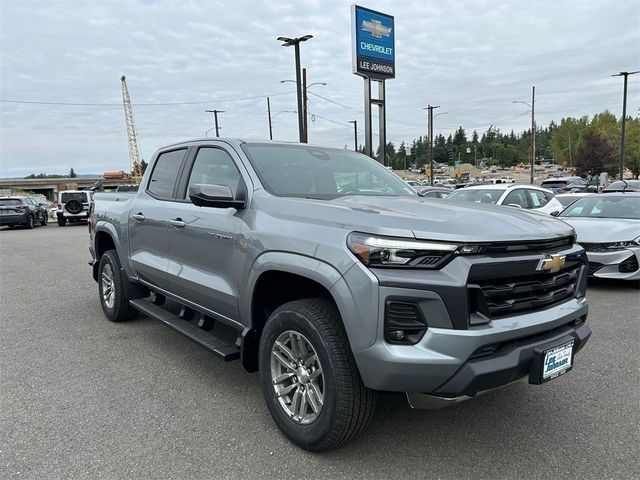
222	349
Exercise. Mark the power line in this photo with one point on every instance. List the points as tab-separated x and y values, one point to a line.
167	104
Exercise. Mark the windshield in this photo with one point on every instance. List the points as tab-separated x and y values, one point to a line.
475	195
313	172
605	206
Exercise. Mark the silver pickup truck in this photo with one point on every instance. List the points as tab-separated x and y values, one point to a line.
329	276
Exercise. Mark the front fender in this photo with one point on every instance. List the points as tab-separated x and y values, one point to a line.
359	315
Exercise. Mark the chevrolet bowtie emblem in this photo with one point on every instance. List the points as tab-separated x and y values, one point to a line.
376	29
553	264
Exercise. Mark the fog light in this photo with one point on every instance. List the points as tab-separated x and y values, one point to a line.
397	335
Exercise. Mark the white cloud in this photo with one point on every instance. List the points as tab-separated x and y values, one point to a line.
472	57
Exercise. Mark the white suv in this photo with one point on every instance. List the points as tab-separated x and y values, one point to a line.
512	195
73	206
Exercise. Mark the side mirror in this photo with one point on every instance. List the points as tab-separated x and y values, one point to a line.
216	196
555	214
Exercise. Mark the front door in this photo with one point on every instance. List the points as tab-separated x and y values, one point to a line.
205	242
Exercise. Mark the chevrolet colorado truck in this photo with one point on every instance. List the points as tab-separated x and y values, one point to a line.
329	276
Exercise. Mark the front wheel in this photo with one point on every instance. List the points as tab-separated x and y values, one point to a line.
45	219
309	377
112	282
29	224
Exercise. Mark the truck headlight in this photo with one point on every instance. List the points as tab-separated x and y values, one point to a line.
376	251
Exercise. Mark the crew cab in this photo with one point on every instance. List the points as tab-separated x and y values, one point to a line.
334	280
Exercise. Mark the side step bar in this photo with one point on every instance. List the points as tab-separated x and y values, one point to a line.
190	330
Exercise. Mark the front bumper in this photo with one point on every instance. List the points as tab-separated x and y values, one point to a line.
608	264
446	362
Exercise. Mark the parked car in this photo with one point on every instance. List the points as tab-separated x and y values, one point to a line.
414	183
22	210
434	192
608	228
568	184
622	186
521	196
333	281
73	206
567	199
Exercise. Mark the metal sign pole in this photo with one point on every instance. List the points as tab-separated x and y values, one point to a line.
367	117
382	123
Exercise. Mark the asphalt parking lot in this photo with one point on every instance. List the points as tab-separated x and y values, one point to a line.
81	397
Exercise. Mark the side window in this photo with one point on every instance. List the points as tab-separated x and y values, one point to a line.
537	199
214	166
516	197
165	173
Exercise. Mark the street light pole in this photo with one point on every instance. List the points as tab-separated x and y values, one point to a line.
430	133
215	117
355	134
269	114
624	117
533	129
305	100
295	42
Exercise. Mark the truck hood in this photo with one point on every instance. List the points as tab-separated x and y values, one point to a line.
604	230
422	218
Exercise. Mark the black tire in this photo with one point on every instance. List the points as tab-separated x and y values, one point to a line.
348	405
45	219
62	221
30	222
73	206
120	310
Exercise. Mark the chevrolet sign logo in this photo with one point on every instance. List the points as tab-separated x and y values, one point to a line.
553	264
376	29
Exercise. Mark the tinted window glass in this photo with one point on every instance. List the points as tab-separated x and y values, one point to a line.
214	166
165	173
517	197
538	199
479	195
303	171
68	196
10	201
605	206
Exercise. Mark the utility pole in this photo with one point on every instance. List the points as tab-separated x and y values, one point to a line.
624	117
269	114
295	42
430	108
533	131
305	105
355	134
215	118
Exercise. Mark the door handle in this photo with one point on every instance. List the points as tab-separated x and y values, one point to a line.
178	223
138	216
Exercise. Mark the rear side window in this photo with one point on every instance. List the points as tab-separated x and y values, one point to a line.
5	202
165	173
538	199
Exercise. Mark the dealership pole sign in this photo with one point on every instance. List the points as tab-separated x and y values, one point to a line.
373	38
374	59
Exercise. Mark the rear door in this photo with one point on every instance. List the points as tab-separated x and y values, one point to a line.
206	243
149	218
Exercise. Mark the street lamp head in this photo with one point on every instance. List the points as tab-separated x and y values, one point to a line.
288	42
353	121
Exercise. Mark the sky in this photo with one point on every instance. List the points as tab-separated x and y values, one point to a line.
473	58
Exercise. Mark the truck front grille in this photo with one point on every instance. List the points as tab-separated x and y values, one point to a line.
499	297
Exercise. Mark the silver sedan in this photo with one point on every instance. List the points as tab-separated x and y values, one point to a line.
608	227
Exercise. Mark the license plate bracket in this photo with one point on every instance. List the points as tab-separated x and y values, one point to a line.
551	361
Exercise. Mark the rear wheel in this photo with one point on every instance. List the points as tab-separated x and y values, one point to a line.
309	378
112	287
